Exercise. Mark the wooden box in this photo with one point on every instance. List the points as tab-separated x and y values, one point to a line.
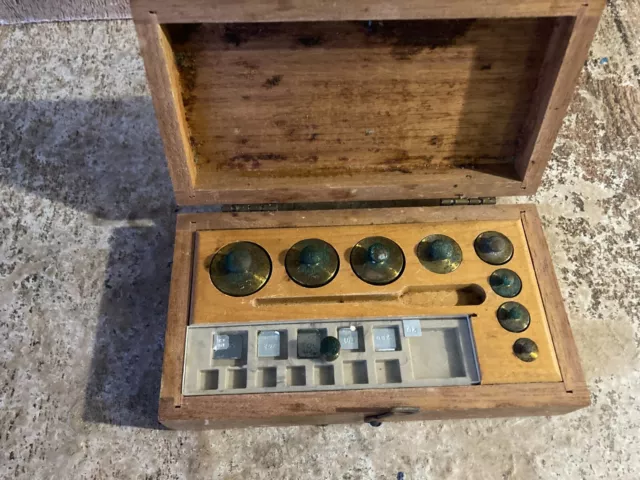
336	118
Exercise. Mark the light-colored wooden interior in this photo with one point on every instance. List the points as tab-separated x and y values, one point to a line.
417	292
381	102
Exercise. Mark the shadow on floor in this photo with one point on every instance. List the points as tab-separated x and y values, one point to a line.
124	378
106	158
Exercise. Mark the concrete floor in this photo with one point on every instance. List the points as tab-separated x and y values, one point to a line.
86	219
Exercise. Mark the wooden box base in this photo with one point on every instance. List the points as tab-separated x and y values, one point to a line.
486	400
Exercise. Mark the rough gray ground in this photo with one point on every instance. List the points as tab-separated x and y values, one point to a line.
86	218
19	11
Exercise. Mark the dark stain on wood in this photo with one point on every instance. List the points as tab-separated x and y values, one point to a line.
310	40
272	81
313	137
248	161
409	38
182	33
486	66
233	37
398	169
186	66
241	33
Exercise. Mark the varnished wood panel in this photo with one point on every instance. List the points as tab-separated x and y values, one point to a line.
172	11
164	84
560	329
347	102
352	406
177	317
563	63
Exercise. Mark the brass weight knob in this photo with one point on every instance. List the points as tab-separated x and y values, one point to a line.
525	349
377	260
312	263
240	269
513	317
493	248
505	283
439	254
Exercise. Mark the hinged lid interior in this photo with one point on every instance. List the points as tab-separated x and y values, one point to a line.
359	110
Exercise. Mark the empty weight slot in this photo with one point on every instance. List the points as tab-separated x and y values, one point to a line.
437	354
323	375
355	372
296	376
209	379
388	371
267	377
237	378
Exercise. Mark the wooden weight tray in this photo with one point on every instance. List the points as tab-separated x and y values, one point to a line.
556	384
417	292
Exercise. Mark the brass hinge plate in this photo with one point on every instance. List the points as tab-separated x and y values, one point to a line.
279	207
468	201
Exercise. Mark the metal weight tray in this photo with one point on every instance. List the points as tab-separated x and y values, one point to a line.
285	356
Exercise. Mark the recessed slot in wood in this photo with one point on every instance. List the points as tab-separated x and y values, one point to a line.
388	371
237	378
437	354
440	295
355	372
296	376
323	375
267	377
209	379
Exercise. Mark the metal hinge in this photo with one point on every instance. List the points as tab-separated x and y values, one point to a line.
275	207
468	201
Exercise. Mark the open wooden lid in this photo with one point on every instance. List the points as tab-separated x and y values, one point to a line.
456	104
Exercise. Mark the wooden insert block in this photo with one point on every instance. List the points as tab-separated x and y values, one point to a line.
417	292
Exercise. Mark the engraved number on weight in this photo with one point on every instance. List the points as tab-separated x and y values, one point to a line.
348	340
385	338
412	331
309	349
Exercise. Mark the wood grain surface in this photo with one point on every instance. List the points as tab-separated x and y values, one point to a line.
287	104
191	11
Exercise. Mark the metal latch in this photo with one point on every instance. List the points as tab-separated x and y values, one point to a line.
376	420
